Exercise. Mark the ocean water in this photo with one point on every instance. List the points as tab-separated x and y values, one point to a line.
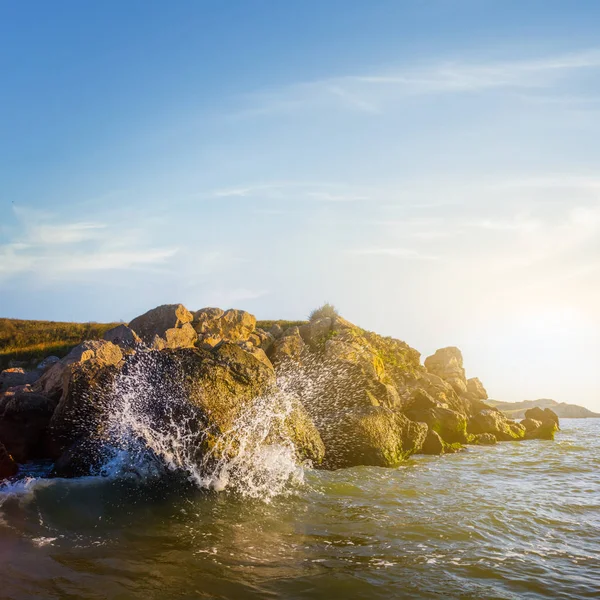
514	521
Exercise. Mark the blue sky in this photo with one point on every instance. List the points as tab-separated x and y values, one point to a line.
429	167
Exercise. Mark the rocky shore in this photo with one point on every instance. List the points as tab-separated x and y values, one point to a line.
353	397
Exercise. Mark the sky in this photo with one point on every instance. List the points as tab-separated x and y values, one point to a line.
431	168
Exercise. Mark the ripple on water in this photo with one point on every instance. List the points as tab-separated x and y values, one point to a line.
510	522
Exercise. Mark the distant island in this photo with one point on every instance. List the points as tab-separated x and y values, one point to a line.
516	410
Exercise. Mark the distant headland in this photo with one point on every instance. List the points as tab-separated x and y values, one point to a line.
517	410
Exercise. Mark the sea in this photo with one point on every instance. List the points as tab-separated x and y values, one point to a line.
519	520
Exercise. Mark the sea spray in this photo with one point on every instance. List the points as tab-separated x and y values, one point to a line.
153	427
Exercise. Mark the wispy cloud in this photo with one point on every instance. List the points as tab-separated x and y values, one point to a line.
48	249
407	253
293	190
370	92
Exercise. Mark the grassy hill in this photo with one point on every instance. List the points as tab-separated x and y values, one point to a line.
22	340
33	340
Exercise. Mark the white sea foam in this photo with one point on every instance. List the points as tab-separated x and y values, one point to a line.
153	428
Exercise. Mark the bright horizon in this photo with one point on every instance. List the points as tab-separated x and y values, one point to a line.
431	170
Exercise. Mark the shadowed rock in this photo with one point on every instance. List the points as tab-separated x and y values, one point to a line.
484	439
433	444
24	419
122	336
8	467
16	377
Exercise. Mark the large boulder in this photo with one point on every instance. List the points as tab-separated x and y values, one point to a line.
374	435
85	405
215	326
540	424
16	377
447	363
8	467
261	339
55	381
24	418
288	348
122	336
153	325
433	444
47	363
493	421
177	337
542	415
449	424
202	404
475	387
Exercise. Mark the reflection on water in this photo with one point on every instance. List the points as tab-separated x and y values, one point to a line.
518	520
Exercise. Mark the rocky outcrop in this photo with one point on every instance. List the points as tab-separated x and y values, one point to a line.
155	326
374	435
16	377
287	348
55	381
122	336
476	389
493	422
215	326
542	415
433	444
447	363
340	395
207	393
540	424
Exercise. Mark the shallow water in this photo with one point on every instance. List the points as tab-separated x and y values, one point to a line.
518	520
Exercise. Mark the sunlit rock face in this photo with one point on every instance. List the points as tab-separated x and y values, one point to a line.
215	326
161	327
540	424
476	389
55	380
447	363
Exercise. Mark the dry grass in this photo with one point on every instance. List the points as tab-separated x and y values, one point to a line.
34	340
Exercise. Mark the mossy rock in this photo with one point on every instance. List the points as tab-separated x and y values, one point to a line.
373	436
449	424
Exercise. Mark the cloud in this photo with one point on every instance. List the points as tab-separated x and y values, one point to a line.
408	253
293	190
370	92
47	249
69	233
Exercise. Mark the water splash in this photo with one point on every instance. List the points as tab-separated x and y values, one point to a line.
153	428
